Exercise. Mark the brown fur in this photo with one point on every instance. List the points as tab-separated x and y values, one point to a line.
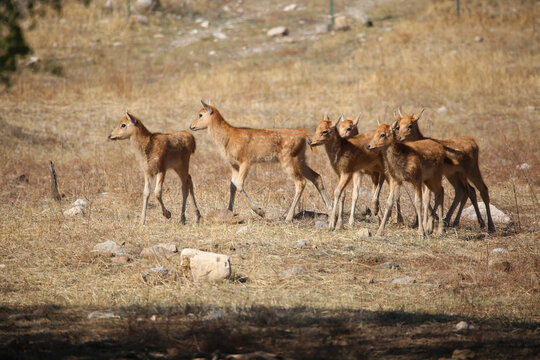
415	162
463	153
348	158
242	147
157	153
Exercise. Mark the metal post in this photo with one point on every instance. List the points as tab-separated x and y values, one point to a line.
332	14
128	3
458	6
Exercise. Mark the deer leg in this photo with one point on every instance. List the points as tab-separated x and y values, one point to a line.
428	216
389	204
234	175
158	192
357	177
439	200
316	180
146	195
399	217
343	181
339	223
192	193
418	207
379	180
474	200
476	179
458	197
239	183
185	191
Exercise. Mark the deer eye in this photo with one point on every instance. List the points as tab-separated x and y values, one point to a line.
397	127
123	126
349	129
410	126
383	135
325	132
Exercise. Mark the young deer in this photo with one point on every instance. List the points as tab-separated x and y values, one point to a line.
463	155
156	154
415	162
242	147
348	157
348	129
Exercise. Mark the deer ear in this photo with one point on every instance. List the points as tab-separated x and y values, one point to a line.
326	116
399	112
338	120
131	118
393	127
419	115
357	119
207	107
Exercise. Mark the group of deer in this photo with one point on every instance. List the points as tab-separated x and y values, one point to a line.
394	153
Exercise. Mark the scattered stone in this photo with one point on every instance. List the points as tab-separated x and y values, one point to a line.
290	7
244	230
497	215
530	107
294	271
301	243
389	265
138	19
498	250
100	315
109	248
442	109
217	315
321	224
205	24
2	266
153	317
278	31
524	166
80	202
120	260
143	6
348	247
33	61
219	35
159	271
463	325
404	280
74	211
159	250
223	216
342	23
463	354
478	39
364	233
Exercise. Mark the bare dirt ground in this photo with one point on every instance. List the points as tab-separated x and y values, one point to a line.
476	75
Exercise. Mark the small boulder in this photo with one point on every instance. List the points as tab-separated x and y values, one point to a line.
463	325
143	6
294	271
109	248
157	271
80	202
321	224
244	230
206	266
342	23
364	233
100	315
497	215
404	280
74	211
278	31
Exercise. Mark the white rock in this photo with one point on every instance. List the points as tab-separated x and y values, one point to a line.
219	35
205	24
2	266
212	52
497	215
321	224
404	280
530	107
194	32
524	166
300	244
290	7
33	61
206	266
186	255
244	230
278	31
442	109
498	251
80	202
74	211
364	233
293	271
109	247
142	6
342	23
100	315
478	39
463	325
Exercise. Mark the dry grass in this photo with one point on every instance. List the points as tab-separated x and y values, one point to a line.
429	59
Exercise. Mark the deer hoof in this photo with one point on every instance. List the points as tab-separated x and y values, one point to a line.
167	214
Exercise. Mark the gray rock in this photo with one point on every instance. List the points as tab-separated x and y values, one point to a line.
143	6
100	315
498	216
498	251
278	31
348	247
301	243
389	265
80	202
321	224
159	271
74	211
109	248
364	233
404	280
463	325
219	35
294	271
217	315
159	249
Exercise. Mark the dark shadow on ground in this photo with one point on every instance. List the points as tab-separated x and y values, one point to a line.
188	332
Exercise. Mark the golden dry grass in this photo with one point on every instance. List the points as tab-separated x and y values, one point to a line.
418	54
